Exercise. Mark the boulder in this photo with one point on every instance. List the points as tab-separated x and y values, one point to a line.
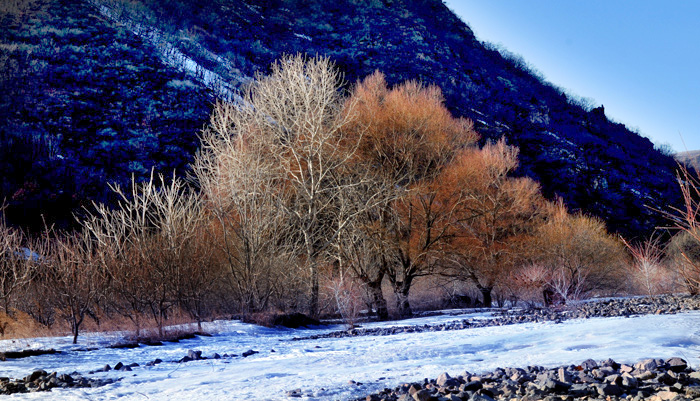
677	364
589	364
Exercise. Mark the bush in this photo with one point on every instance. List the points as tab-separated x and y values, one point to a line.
683	254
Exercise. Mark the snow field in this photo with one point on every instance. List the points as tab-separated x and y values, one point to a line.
323	368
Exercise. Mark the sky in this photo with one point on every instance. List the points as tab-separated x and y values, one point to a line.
640	59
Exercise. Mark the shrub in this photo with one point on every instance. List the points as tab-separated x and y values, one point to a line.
683	253
581	257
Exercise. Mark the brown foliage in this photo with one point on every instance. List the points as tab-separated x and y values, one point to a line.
580	255
682	250
406	132
683	255
407	137
497	215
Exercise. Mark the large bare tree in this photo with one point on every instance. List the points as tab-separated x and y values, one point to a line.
293	122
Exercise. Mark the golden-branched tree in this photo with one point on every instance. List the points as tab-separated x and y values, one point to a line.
579	255
683	256
406	137
495	215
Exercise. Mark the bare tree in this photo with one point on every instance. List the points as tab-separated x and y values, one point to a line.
243	188
17	264
361	249
295	117
148	243
683	256
683	249
75	278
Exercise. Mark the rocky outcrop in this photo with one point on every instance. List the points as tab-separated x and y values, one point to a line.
40	380
649	379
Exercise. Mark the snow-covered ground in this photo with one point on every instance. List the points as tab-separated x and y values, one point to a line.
322	368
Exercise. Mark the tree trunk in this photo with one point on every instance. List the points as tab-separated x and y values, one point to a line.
75	325
486	296
402	304
313	303
378	300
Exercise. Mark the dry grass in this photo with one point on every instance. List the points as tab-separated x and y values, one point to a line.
21	325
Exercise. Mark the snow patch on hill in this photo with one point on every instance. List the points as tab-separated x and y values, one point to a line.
174	57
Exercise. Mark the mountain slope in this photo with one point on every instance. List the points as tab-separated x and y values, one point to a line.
575	152
691	158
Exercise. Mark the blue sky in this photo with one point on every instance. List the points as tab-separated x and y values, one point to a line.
640	59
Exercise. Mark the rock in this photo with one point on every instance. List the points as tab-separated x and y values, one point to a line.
294	393
249	353
614	379
217	356
471	386
666	379
444	380
421	395
581	390
610	363
414	388
194	355
692	392
564	375
589	364
677	364
626	368
154	362
480	397
645	375
35	375
647	364
608	389
666	395
118	366
628	381
556	386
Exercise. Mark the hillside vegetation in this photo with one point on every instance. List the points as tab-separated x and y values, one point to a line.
86	101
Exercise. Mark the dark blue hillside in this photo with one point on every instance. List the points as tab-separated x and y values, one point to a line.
84	103
111	108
